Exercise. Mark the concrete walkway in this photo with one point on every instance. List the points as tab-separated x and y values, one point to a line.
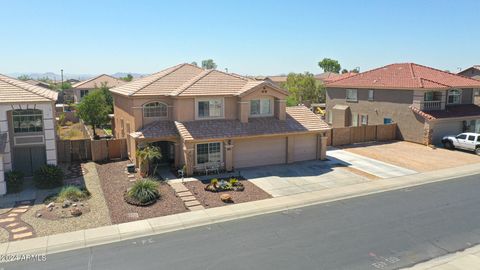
113	233
468	259
369	165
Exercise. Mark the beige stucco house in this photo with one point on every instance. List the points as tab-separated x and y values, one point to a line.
200	117
82	88
27	127
425	103
471	72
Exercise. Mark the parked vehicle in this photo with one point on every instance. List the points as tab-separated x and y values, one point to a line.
465	141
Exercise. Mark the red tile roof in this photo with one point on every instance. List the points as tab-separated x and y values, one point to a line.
405	76
464	110
299	120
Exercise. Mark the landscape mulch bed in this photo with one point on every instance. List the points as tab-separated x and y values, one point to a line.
212	199
115	182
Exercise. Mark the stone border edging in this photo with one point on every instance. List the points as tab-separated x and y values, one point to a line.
154	226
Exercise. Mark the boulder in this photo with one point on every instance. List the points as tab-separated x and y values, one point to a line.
66	203
76	212
227	198
50	205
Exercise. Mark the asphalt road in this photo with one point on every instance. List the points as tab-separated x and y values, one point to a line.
383	231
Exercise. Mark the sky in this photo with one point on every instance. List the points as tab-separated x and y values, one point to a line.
262	37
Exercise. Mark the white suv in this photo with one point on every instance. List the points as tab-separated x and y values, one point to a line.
465	141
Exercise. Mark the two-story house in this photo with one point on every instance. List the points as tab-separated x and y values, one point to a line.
426	103
81	89
27	127
471	72
200	117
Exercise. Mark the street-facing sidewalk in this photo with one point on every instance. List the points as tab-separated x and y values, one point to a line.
468	259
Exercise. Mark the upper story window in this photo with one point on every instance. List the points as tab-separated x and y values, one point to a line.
29	120
83	93
155	109
352	95
454	96
370	95
211	108
261	107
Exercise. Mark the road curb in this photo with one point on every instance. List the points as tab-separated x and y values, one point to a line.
155	226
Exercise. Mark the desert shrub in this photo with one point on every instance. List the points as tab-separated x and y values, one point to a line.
14	181
48	176
144	192
233	181
214	182
72	193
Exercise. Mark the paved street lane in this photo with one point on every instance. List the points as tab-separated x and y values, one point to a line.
383	231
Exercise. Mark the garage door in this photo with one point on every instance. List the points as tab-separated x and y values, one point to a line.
305	147
259	152
443	129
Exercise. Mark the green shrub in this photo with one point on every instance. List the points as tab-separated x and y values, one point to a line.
233	181
144	191
14	181
48	176
214	182
72	193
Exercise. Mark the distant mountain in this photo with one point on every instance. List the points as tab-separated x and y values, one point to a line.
57	77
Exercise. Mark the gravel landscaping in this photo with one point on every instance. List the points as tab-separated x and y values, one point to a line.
212	199
115	182
96	217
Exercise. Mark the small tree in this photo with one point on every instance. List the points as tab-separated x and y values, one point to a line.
106	93
127	78
330	65
24	77
209	64
194	63
302	88
94	110
146	155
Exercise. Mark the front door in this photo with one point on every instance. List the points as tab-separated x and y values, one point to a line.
29	159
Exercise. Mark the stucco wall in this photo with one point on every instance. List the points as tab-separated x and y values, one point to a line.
392	104
48	133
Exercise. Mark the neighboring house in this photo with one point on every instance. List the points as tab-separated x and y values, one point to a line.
38	83
73	81
27	127
426	103
471	72
202	117
328	77
81	89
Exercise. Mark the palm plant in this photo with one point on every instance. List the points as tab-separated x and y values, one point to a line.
146	155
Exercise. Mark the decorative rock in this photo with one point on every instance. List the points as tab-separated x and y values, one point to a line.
39	215
50	205
74	205
75	212
226	198
66	203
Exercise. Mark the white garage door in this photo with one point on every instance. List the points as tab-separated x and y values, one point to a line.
259	152
305	147
443	129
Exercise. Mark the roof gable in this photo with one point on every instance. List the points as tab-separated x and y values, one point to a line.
186	80
97	82
405	76
13	90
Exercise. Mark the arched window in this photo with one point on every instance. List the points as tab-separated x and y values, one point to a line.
454	96
29	120
155	109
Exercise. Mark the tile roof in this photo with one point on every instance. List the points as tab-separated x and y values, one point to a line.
464	110
299	119
189	80
13	90
97	81
405	76
157	129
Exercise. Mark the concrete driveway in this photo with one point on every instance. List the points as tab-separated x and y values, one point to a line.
341	169
284	180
